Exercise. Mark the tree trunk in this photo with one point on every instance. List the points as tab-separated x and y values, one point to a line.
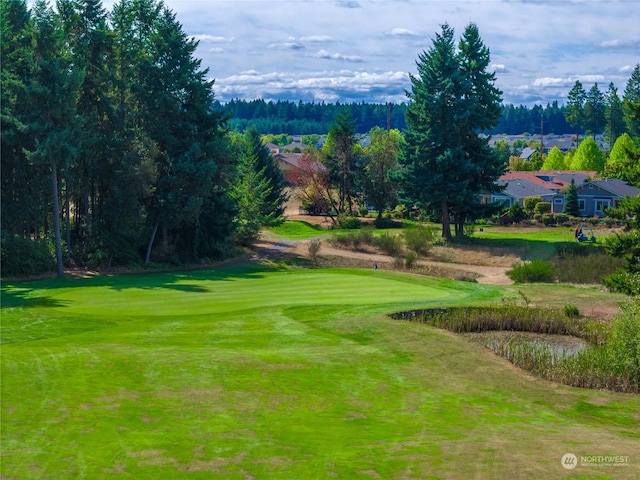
446	227
151	240
56	217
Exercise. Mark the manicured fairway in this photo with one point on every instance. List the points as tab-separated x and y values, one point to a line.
251	372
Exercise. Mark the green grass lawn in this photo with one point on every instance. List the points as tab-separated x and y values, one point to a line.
256	372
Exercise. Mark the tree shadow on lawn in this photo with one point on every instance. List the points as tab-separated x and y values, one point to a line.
30	294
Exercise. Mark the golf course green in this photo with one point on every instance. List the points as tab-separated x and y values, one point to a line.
261	372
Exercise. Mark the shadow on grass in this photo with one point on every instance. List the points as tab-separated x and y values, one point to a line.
30	294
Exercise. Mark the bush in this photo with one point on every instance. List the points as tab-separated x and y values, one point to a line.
22	256
561	218
348	222
542	207
418	239
363	211
389	243
531	202
385	222
314	249
533	271
547	219
354	240
571	311
623	282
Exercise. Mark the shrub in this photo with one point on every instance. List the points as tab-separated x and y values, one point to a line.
348	222
547	219
531	202
623	282
410	259
587	265
418	239
363	211
516	213
22	256
542	207
314	249
561	218
400	211
354	240
571	311
533	271
386	222
389	243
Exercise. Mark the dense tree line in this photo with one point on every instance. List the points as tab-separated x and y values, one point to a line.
590	113
112	148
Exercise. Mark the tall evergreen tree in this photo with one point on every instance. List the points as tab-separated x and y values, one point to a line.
571	206
277	196
433	155
631	99
22	183
340	158
594	110
52	92
614	115
575	109
483	101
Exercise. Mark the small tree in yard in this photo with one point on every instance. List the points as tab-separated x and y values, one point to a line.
571	206
530	204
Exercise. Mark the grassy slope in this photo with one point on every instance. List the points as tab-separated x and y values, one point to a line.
249	372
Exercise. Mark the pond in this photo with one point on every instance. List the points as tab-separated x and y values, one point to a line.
560	345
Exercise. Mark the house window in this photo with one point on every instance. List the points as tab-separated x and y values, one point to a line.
602	204
581	205
558	201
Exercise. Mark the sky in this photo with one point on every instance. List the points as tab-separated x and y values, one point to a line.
364	50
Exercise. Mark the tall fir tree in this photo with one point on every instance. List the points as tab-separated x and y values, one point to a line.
277	197
433	156
571	206
594	111
614	115
631	103
575	108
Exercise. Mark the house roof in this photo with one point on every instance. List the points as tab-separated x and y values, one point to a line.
523	188
527	152
551	180
617	187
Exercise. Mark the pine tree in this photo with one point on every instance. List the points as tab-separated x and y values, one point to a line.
614	114
277	197
433	155
631	99
571	206
340	158
574	112
52	92
594	110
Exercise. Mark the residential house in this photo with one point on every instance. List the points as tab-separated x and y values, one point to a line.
594	194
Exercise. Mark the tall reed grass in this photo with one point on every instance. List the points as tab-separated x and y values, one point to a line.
611	360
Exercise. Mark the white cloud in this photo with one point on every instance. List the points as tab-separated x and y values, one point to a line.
206	38
402	32
287	46
634	44
497	67
316	39
338	56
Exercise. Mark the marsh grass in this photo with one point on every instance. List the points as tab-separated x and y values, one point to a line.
585	266
611	360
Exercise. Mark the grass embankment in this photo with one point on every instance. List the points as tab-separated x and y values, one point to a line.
264	373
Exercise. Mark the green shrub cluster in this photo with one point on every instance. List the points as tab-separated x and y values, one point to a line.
624	282
355	240
22	256
348	222
418	239
532	271
389	243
